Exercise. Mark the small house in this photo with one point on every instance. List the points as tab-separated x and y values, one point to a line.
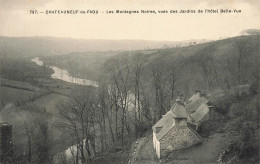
172	132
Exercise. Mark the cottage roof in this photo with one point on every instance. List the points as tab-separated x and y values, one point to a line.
166	119
168	125
195	102
179	111
194	97
201	112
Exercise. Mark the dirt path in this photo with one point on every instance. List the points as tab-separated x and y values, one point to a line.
144	153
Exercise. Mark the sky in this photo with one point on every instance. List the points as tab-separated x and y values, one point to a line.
16	20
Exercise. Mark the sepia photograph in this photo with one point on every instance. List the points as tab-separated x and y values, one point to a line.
129	82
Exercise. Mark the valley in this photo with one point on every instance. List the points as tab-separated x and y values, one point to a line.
103	104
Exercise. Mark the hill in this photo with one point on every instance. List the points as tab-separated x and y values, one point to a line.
216	65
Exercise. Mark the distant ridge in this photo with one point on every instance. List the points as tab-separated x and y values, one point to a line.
45	45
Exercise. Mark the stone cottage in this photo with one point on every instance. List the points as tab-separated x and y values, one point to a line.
171	132
201	109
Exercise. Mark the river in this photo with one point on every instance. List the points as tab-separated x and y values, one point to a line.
63	75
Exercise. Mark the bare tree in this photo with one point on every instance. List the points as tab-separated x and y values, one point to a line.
159	83
120	78
137	99
78	116
29	134
69	122
241	44
204	62
172	81
43	143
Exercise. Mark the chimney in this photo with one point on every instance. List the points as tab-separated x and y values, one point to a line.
179	121
178	100
211	107
202	94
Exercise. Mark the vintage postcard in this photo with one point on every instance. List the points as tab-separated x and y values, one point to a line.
130	81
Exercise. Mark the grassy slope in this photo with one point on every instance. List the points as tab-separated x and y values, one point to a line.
12	91
18	85
12	95
220	56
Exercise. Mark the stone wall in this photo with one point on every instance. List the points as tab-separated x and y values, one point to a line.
178	138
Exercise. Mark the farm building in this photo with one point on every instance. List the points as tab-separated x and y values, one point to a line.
171	132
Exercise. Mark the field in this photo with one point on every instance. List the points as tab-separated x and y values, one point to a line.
13	95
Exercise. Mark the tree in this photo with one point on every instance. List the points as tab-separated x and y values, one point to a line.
120	79
43	143
241	44
137	99
79	118
159	83
29	133
172	81
204	60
